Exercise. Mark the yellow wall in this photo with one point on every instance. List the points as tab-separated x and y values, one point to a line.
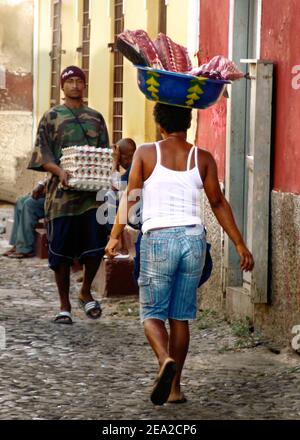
178	25
177	20
134	105
100	90
139	14
138	121
70	32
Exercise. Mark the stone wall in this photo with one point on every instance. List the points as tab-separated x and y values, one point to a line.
276	319
15	151
210	294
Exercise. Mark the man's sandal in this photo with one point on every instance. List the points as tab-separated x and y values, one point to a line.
89	307
63	318
163	384
10	251
21	255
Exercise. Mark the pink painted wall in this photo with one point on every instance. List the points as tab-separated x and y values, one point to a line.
280	43
211	130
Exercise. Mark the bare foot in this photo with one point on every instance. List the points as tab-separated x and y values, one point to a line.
177	398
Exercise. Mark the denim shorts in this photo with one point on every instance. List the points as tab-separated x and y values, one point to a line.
172	261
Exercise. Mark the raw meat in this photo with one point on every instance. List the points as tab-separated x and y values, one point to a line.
218	67
139	42
173	56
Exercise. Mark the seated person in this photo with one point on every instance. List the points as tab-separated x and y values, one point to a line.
122	159
123	153
28	210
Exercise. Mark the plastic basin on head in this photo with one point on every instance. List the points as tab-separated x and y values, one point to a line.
178	88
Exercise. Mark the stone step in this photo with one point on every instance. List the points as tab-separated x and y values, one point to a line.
41	243
115	278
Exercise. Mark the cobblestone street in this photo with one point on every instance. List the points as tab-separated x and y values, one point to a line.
104	369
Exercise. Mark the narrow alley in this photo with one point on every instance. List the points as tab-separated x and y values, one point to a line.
104	369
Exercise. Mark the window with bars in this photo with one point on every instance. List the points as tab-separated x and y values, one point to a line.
55	53
118	74
85	53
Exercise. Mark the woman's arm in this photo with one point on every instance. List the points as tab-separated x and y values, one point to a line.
223	213
135	182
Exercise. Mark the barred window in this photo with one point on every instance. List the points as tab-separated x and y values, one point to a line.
55	53
118	74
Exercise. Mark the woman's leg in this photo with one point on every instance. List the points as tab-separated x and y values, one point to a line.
183	306
178	348
158	338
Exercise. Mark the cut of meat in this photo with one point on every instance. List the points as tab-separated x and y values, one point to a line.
173	56
131	53
164	54
138	42
218	67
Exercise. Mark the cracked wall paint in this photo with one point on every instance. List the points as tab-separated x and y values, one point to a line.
16	33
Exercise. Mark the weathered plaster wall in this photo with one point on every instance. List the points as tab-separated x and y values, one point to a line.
277	319
214	25
15	148
16	34
210	294
280	43
16	24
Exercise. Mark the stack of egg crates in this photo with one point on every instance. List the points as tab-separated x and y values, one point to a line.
90	167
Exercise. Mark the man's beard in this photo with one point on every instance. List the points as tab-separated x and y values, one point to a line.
76	98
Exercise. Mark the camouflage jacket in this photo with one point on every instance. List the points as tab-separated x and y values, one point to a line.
58	129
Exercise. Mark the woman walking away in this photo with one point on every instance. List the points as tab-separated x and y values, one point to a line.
171	174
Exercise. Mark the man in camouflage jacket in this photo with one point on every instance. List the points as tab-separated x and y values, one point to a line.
72	227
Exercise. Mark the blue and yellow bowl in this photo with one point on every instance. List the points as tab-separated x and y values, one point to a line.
178	88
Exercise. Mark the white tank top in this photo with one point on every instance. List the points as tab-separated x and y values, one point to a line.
172	198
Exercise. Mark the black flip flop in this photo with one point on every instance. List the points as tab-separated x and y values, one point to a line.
163	383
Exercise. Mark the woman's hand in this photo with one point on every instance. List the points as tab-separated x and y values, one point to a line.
246	258
110	249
